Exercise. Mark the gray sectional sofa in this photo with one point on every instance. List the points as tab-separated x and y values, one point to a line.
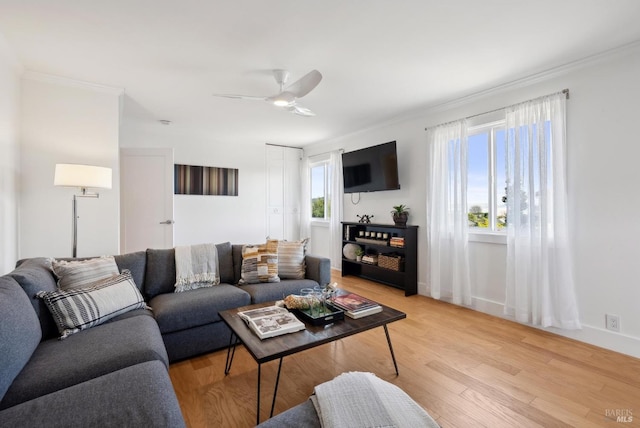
116	373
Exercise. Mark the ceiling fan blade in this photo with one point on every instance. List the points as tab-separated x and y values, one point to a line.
240	97
305	84
299	110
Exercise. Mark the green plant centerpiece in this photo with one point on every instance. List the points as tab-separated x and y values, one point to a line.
400	214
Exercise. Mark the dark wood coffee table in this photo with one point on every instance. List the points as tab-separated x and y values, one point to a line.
288	344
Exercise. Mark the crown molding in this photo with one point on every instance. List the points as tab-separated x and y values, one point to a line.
65	81
589	61
543	76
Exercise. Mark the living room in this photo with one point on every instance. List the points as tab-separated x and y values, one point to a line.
50	117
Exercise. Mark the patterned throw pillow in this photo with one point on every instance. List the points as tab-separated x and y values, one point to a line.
291	259
80	273
260	263
82	308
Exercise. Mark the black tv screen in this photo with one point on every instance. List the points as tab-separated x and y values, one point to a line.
372	169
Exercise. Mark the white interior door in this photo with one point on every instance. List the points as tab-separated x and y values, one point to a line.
146	199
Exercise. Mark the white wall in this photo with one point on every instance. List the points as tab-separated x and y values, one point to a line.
10	70
65	121
603	176
238	219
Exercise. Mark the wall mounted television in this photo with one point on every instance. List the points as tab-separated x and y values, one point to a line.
371	169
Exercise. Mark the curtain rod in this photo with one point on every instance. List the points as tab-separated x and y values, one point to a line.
325	153
282	145
564	91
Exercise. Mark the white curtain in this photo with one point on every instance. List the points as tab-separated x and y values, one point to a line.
447	218
540	286
336	197
305	199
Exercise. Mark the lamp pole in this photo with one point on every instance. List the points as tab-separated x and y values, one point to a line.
74	210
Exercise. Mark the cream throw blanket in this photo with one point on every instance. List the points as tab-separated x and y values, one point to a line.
362	400
196	267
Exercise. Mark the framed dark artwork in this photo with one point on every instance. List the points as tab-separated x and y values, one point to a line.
205	180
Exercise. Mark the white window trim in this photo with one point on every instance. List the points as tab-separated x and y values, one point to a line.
490	235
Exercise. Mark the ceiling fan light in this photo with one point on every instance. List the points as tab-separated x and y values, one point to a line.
283	99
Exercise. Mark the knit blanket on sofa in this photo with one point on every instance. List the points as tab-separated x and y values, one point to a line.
196	267
362	400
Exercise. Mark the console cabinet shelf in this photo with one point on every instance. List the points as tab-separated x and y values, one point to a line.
386	263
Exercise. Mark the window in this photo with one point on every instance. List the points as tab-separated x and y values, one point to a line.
486	178
320	191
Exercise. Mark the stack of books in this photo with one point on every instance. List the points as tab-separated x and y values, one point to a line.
397	242
355	306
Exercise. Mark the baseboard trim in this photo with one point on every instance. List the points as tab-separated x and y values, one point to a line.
595	336
600	337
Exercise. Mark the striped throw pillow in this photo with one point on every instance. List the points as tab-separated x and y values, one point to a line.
81	273
260	263
291	259
81	308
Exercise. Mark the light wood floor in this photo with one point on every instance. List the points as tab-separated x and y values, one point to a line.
465	368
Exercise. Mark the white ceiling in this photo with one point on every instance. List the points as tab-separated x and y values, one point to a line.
380	58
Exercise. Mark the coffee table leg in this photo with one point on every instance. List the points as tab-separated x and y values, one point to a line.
231	351
393	356
275	390
258	409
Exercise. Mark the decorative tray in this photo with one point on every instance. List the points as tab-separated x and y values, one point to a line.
330	315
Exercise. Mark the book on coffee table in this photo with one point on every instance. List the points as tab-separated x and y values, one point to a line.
355	306
271	321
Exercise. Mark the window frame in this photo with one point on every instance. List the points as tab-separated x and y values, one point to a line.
491	234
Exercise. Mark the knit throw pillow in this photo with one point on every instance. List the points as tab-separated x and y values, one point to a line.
260	263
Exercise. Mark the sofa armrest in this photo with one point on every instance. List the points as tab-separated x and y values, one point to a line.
318	269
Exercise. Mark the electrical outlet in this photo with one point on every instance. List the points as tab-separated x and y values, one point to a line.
613	322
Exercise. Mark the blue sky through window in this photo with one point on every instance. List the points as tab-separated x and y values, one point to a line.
486	178
317	181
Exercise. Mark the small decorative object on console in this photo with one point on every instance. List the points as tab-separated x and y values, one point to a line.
365	218
350	251
372	259
400	214
397	242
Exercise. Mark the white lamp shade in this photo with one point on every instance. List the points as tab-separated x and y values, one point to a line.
72	175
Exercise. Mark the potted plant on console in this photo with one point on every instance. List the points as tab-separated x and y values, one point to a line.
400	215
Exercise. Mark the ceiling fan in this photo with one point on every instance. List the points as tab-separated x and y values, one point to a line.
288	96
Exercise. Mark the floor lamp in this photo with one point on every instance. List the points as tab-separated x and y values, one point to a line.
84	177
